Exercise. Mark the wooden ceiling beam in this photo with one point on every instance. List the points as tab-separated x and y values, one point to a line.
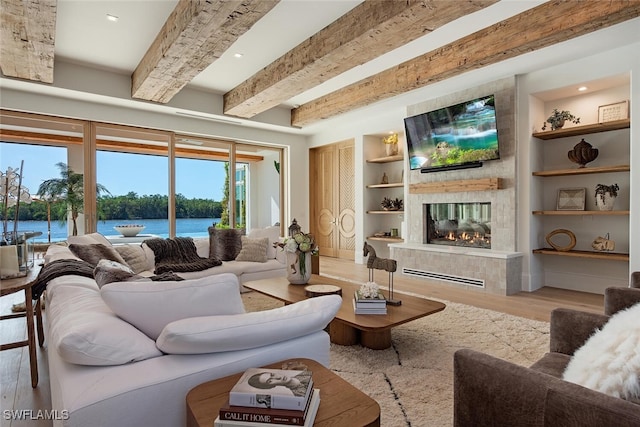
544	25
196	34
27	39
369	30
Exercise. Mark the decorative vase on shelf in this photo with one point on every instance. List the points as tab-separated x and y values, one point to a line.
391	144
582	153
298	267
606	196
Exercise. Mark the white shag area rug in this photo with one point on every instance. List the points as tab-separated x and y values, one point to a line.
413	380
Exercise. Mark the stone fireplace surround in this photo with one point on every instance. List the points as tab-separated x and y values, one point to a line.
497	270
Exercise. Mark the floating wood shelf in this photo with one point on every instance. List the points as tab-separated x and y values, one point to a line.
481	184
583	171
613	256
390	185
567	213
387	159
385	212
583	130
386	239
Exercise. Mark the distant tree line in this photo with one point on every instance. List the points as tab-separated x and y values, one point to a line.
129	206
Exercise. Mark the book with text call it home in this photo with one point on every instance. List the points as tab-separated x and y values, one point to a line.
266	415
314	403
272	388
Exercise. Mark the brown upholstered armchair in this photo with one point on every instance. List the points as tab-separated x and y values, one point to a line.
492	392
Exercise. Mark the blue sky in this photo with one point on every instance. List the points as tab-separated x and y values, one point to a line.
119	172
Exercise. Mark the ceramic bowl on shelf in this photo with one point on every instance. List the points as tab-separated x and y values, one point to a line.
129	230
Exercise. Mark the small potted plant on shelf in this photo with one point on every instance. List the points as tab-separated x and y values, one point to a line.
606	196
558	118
387	204
391	205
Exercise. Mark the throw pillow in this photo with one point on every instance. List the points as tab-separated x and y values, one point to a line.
272	233
214	334
225	243
87	239
94	252
254	250
135	257
609	362
85	332
150	306
111	271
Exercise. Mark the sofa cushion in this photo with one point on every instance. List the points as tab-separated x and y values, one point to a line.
135	257
214	334
84	331
150	306
111	271
609	361
225	243
58	251
94	252
253	250
87	239
272	233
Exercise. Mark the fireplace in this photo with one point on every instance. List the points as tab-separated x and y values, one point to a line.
458	224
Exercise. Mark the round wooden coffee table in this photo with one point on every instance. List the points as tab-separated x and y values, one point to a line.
341	404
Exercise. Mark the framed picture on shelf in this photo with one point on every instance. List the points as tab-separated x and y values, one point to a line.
612	112
571	199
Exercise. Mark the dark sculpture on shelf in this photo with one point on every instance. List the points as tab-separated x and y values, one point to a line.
582	153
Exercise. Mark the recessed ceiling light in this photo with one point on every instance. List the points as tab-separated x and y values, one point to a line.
112	18
238	55
582	88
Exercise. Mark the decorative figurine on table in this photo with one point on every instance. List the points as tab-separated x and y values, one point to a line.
386	264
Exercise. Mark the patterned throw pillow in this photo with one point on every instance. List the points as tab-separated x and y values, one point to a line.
225	243
254	250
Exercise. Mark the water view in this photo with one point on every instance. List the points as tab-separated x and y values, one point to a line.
194	227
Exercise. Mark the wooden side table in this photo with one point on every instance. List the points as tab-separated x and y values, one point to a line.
341	404
10	286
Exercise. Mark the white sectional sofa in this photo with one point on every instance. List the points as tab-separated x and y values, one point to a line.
127	353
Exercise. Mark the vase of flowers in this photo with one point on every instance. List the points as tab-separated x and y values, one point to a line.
299	248
606	196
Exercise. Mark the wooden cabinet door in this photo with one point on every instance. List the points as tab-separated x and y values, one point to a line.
332	198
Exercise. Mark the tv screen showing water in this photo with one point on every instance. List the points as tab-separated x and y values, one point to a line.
464	133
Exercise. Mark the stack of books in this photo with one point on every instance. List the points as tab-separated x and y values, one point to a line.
377	305
270	397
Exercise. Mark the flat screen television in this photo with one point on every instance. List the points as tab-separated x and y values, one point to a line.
455	137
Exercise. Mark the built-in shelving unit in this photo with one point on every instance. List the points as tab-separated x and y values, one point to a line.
380	221
579	131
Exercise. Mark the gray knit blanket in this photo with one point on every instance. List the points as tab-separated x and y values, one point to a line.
178	254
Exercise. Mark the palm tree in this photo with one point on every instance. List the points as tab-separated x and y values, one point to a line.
69	188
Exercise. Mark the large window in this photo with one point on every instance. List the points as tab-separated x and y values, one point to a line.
173	184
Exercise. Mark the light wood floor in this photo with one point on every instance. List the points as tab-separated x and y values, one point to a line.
14	364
